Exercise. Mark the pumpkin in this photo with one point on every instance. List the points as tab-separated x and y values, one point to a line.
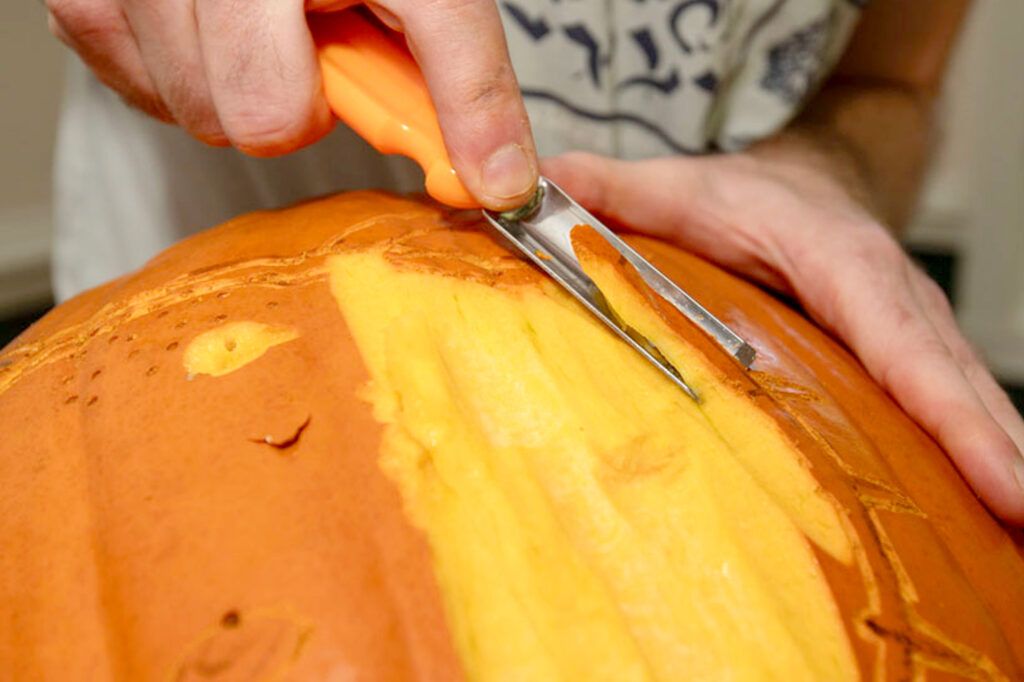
358	439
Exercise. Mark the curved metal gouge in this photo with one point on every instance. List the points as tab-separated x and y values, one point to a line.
374	85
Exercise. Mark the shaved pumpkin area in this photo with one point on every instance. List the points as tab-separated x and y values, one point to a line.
359	440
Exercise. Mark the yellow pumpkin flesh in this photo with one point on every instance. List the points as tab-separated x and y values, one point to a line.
358	439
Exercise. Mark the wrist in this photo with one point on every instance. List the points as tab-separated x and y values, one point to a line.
876	138
822	160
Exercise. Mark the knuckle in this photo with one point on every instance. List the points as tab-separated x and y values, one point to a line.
901	376
878	246
873	255
144	100
200	122
188	97
494	89
136	93
266	129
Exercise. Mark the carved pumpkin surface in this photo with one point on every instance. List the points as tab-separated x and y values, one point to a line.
359	440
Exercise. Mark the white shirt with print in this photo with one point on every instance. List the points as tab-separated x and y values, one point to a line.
624	78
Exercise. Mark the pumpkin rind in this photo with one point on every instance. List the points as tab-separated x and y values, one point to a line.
157	524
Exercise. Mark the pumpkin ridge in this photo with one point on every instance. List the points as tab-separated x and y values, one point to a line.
147	513
19	359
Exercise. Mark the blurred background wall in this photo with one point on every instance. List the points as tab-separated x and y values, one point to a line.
973	211
969	234
30	86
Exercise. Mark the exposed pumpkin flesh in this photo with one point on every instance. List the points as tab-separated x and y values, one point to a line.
161	528
750	434
587	519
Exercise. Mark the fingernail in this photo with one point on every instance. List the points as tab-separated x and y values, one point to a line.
1018	471
508	173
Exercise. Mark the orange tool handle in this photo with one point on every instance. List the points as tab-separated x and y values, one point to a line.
374	85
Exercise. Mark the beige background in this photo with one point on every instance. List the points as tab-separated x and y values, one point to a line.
974	203
30	84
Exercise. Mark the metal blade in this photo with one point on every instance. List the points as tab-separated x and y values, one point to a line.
541	232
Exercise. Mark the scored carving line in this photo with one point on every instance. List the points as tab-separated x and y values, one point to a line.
68	343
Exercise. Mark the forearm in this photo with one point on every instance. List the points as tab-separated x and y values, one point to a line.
871	127
874	139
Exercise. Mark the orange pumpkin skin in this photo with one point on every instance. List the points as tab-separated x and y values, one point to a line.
157	526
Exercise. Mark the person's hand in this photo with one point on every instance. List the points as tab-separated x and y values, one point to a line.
246	74
800	232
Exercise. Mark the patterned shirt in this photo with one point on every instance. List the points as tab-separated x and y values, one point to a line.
624	78
651	77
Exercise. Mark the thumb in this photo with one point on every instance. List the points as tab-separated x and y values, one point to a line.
460	47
